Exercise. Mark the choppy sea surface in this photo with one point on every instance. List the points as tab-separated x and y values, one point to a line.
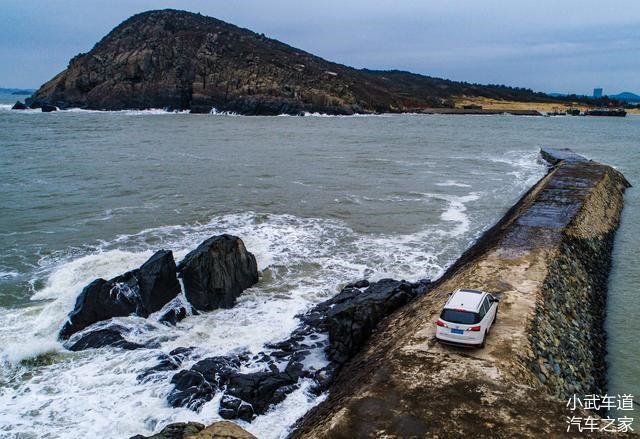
320	201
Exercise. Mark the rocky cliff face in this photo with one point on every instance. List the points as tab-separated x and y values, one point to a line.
549	259
187	61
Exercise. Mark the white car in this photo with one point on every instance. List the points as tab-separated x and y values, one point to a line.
466	318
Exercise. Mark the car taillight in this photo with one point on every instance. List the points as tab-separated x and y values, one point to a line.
441	324
474	328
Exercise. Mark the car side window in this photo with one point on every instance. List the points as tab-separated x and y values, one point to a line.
486	304
482	311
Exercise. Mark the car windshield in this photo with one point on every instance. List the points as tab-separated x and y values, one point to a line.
462	317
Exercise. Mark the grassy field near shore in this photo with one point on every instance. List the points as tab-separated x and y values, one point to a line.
546	107
498	104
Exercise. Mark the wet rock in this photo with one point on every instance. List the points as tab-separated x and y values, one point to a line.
167	362
19	106
235	408
173	316
217	271
194	387
259	389
46	108
352	315
191	390
359	284
140	292
349	319
101	338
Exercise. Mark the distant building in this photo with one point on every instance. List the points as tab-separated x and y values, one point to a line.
597	93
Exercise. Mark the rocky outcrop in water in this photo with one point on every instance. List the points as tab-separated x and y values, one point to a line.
19	106
100	338
216	273
47	108
141	292
195	430
184	61
336	328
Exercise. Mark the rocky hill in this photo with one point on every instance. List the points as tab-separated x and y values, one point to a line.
188	61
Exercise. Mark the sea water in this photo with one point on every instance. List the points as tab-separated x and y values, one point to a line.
320	201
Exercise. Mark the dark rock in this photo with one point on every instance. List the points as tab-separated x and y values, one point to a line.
216	273
259	389
101	338
173	315
235	408
191	390
140	292
181	353
351	316
194	387
165	363
19	106
46	108
349	319
359	284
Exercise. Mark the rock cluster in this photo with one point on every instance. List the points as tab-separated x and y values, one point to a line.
214	275
338	327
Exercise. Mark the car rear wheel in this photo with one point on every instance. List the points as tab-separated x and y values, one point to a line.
484	339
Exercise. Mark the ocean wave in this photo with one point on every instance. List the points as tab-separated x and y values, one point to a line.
303	261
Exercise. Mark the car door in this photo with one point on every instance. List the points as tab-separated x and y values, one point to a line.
488	309
493	308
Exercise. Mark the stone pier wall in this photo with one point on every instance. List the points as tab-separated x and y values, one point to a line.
548	258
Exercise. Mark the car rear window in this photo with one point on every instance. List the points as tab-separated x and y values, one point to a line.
462	317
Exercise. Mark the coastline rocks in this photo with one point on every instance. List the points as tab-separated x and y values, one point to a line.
252	394
101	338
166	363
337	328
46	108
351	316
198	385
195	430
140	292
216	272
173	316
19	106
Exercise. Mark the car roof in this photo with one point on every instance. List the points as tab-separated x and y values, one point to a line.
468	300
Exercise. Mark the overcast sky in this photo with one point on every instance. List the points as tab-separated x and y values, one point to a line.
552	46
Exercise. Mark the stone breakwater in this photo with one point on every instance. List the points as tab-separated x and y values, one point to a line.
548	259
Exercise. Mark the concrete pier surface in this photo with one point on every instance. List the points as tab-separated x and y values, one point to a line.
548	259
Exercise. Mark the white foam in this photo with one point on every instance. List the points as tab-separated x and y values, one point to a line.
453	183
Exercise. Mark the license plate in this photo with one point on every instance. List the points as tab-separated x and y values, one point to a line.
457	331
